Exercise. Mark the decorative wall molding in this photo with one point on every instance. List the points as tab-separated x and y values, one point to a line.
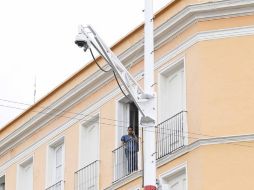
163	34
207	142
125	180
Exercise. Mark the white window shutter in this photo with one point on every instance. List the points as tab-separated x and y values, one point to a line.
58	164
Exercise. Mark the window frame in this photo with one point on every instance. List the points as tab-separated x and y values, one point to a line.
164	70
51	161
168	71
121	105
174	171
24	163
60	165
122	123
95	118
2	180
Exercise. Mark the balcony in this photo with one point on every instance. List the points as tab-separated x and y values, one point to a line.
170	135
169	138
57	186
125	159
87	177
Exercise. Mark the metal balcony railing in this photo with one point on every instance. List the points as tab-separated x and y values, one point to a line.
87	178
125	159
57	186
170	135
169	138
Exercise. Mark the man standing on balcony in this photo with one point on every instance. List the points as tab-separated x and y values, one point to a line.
130	142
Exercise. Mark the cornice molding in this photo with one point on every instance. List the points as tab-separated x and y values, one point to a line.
164	33
125	180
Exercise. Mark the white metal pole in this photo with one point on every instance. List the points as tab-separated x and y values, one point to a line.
149	48
149	128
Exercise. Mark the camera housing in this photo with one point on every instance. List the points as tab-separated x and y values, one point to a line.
81	42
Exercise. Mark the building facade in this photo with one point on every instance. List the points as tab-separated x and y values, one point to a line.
204	52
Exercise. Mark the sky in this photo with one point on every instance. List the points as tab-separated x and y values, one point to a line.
37	43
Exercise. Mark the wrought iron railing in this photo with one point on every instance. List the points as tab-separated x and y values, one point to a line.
87	178
125	159
56	186
170	135
169	138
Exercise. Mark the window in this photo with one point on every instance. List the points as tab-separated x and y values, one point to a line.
2	183
133	115
59	163
172	132
175	180
127	115
89	142
55	164
126	158
172	90
25	175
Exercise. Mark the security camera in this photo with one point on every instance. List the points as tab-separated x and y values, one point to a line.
81	42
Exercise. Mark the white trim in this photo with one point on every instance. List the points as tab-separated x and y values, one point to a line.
117	100
185	115
124	180
29	160
205	142
171	65
120	123
165	69
57	141
204	36
174	170
95	118
60	141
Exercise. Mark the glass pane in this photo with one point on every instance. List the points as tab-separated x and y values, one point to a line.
2	186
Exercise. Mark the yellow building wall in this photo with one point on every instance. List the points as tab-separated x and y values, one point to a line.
39	168
10	178
107	143
71	143
219	81
228	166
